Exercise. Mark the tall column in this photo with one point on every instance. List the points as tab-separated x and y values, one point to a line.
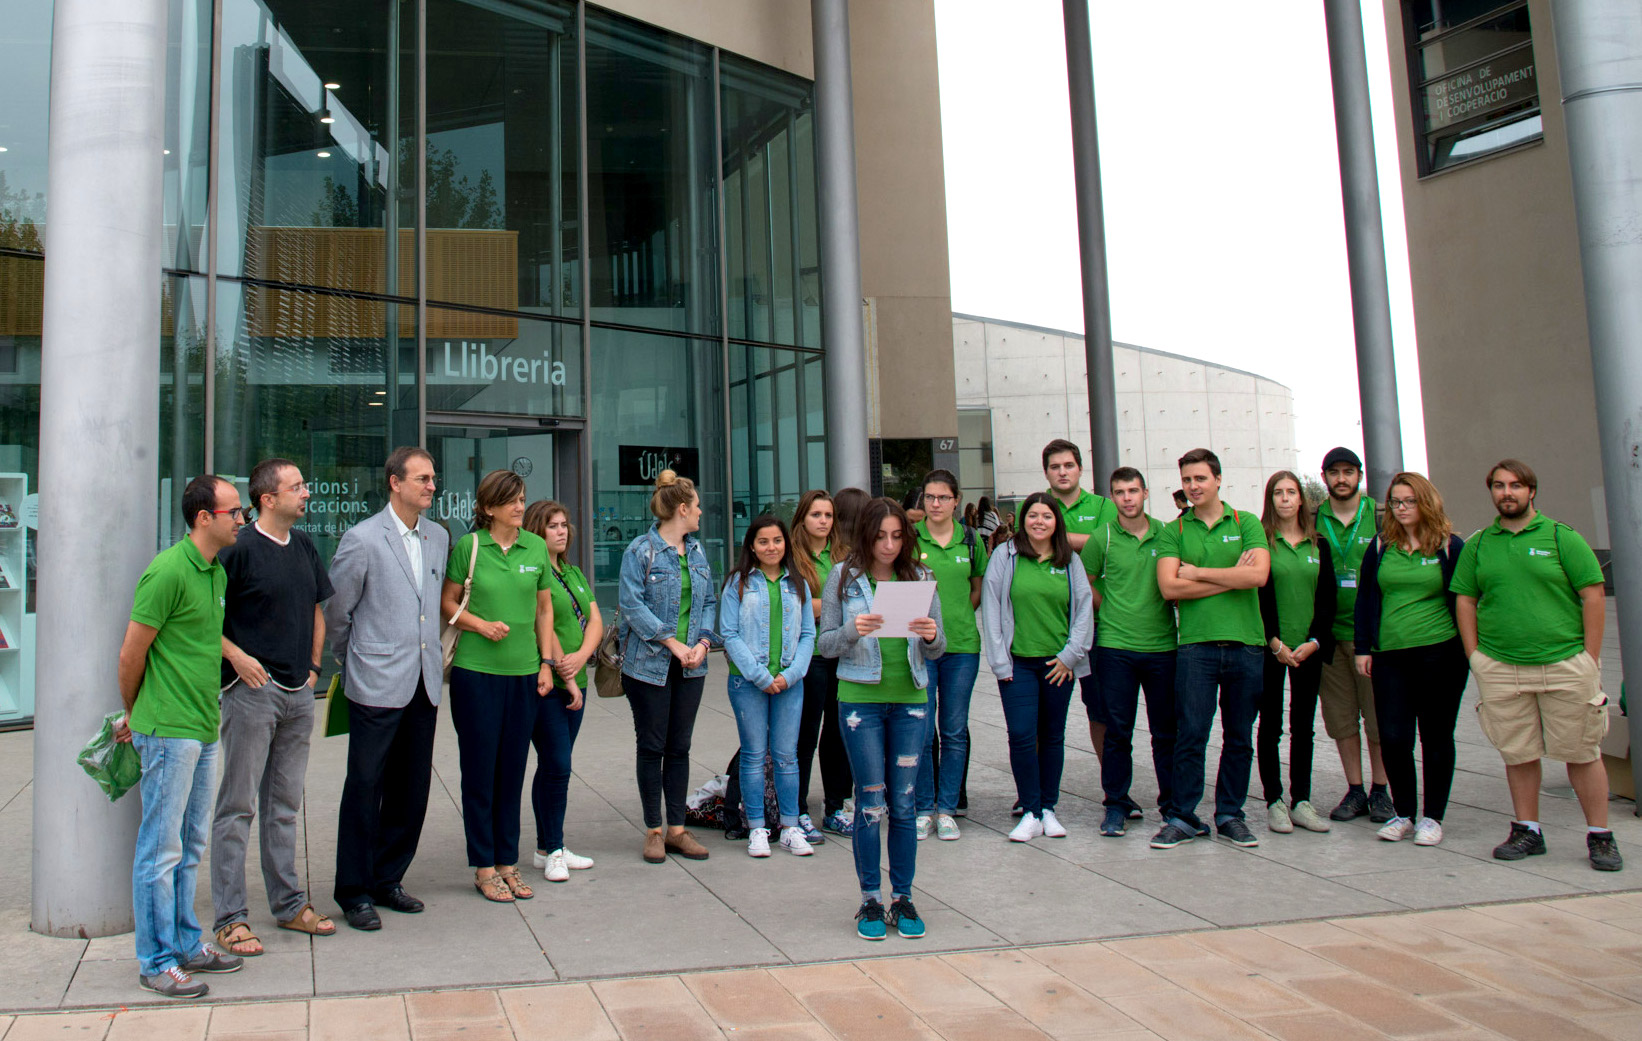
1599	53
99	432
844	338
1097	302
1365	245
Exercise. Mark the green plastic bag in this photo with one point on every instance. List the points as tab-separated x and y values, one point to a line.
114	765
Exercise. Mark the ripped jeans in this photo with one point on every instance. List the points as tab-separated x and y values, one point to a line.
884	741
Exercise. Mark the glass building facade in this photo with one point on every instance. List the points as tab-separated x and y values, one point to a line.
526	234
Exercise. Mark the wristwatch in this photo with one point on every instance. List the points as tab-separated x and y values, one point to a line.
547	661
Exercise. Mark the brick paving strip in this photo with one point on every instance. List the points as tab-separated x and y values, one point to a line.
1553	970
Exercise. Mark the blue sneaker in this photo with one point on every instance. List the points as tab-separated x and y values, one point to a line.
906	919
869	921
812	834
1114	823
838	823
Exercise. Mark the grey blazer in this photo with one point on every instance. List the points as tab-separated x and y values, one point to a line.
383	621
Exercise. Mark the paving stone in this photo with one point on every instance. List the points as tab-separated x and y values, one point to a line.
927	984
1397	970
1265	954
259	1017
561	1012
803	980
62	1026
1382	1008
746	998
349	1019
1517	1020
989	1024
1235	989
1101	971
457	1015
1058	1007
866	1014
1183	1017
169	1024
994	965
1316	1026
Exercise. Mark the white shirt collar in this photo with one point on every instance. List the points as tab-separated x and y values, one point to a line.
286	541
403	529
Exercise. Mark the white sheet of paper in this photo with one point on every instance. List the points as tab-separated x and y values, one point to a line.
900	603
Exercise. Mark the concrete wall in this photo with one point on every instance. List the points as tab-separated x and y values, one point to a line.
775	32
1035	382
1499	307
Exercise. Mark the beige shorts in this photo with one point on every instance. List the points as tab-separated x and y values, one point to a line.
1347	696
1532	712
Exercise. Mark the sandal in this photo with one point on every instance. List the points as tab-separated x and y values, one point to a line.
309	921
515	884
494	889
235	938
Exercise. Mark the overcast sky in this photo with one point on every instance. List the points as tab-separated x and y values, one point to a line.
1224	231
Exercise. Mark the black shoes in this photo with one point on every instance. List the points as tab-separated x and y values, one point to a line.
1380	809
1354	805
1172	835
1236	832
1525	842
394	898
1604	851
363	917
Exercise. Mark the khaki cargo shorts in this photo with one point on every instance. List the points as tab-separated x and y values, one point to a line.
1347	696
1532	712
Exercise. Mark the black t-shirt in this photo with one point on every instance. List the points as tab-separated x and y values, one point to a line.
269	614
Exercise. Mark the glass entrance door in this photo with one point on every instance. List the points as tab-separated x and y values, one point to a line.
466	448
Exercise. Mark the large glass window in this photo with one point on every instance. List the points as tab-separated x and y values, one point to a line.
653	257
1476	91
501	162
503	364
774	400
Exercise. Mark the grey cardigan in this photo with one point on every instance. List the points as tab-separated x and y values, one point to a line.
998	615
859	660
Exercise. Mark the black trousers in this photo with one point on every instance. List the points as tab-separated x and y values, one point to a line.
385	796
1419	688
818	728
1302	706
664	718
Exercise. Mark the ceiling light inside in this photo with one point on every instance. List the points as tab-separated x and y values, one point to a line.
324	155
333	86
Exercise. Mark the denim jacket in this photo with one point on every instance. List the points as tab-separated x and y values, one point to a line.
858	659
744	623
998	616
649	600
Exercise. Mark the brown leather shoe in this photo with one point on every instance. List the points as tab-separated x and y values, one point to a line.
655	852
685	845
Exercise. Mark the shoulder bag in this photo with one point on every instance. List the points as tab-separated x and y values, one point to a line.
451	635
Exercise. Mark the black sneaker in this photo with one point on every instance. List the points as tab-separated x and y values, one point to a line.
1171	836
905	918
1354	805
1237	833
1524	842
869	921
1380	809
1604	852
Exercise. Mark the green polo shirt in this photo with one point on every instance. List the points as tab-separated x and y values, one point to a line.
1527	588
1349	542
564	585
1084	517
954	565
1413	603
823	568
504	590
182	596
894	684
1235	614
1294	586
773	591
1123	569
682	634
1041	598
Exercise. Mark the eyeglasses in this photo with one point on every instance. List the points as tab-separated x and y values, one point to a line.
299	487
1402	504
940	500
238	513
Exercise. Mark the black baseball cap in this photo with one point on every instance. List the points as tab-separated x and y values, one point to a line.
1341	457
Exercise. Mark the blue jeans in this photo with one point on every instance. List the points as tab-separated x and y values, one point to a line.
1235	671
554	736
951	682
1034	712
768	723
883	741
178	790
1089	687
1123	674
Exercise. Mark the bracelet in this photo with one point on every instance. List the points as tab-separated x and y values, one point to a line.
547	661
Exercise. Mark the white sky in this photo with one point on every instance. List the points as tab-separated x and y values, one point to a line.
1224	232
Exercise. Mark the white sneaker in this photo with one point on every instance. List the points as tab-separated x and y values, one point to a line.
794	842
926	824
1427	832
1396	829
557	870
946	829
1028	829
573	861
758	843
1304	815
1278	818
1052	826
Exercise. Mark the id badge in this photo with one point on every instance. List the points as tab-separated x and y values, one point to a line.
1348	580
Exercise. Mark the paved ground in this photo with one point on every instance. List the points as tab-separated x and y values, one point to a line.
1470	973
626	918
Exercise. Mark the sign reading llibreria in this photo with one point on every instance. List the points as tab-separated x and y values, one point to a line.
639	464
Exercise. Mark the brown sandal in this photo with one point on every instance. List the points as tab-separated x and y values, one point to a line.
309	921
515	884
234	936
494	889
